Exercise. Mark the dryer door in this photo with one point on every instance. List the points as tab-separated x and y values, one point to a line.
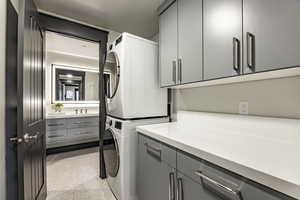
112	155
111	74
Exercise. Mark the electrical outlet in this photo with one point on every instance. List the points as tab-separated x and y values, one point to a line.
243	108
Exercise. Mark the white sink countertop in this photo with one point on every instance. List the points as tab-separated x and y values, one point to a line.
69	115
265	150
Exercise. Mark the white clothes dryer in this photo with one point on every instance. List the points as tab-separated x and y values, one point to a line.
131	79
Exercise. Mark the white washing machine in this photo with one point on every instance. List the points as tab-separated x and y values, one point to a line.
121	157
131	76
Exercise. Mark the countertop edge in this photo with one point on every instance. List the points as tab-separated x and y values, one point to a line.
280	185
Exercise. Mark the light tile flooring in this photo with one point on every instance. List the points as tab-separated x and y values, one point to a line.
74	176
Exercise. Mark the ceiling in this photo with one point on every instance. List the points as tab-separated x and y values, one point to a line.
71	46
138	17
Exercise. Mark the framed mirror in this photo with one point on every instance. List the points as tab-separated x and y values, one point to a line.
74	85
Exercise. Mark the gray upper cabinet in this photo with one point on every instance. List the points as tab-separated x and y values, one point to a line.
168	46
189	41
271	34
222	40
213	39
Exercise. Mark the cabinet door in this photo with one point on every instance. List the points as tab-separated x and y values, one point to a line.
189	41
222	26
188	189
154	176
271	34
168	46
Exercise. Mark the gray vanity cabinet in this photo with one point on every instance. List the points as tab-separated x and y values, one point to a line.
155	174
168	46
189	41
271	34
222	42
69	131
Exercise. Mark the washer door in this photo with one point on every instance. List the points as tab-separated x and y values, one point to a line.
111	74
112	155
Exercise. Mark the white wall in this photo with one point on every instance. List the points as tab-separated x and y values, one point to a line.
275	98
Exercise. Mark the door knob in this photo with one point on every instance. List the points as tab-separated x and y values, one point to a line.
28	138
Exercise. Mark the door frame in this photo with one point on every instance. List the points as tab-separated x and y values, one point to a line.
73	29
11	97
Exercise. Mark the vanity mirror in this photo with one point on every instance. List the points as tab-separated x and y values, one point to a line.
74	85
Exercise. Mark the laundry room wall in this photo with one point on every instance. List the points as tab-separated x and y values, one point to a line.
2	99
273	98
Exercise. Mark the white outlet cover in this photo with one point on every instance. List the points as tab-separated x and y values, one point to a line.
244	108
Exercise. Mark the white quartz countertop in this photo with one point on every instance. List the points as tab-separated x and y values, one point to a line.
266	150
70	115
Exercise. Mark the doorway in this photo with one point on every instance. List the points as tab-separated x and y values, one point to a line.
72	132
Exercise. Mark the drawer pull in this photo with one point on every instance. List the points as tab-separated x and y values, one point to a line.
61	124
84	133
81	122
234	192
153	151
54	136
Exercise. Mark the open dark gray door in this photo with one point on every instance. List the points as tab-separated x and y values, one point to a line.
31	148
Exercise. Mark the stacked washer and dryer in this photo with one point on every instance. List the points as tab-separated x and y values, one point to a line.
134	98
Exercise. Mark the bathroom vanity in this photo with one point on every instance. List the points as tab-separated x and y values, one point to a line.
67	130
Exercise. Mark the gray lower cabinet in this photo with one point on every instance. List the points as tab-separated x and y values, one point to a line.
271	34
165	173
168	46
223	37
63	132
155	176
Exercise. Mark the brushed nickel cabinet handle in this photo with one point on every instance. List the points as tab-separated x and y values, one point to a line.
153	151
171	186
180	70
237	55
179	189
236	193
251	51
174	71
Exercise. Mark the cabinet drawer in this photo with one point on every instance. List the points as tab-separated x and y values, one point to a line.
58	135
83	122
217	182
84	133
159	151
55	124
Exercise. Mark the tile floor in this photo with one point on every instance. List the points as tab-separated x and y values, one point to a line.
74	176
